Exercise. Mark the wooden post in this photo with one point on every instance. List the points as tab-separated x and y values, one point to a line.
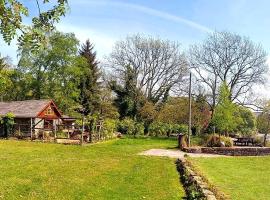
68	132
31	131
55	132
82	130
99	135
189	120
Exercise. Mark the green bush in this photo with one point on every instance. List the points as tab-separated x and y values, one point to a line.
139	128
157	129
109	127
216	141
7	122
126	126
162	129
130	127
227	141
59	134
180	128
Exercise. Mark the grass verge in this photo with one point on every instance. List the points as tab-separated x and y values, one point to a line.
238	177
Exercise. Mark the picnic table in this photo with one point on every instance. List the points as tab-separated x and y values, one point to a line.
244	141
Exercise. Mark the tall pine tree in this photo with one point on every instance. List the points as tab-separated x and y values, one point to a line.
226	115
129	98
90	85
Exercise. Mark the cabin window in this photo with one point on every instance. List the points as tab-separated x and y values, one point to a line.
49	111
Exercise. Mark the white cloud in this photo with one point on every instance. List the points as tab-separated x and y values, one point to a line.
148	11
103	43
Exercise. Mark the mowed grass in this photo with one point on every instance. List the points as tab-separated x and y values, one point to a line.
240	178
110	170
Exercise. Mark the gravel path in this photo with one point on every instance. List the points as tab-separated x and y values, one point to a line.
175	153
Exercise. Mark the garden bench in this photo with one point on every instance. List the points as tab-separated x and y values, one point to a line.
244	141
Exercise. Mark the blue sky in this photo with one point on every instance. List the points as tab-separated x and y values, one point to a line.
185	21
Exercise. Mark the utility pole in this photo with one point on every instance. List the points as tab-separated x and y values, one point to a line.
189	120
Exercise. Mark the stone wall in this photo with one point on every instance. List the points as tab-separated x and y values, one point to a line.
193	184
231	151
67	141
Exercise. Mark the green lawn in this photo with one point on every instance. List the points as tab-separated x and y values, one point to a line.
110	170
241	178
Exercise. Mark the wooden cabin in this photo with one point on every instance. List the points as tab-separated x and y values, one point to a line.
38	114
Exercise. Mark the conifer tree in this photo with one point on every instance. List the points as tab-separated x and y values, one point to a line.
226	115
128	97
90	85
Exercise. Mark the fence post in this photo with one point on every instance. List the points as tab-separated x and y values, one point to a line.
82	130
68	132
55	132
31	129
19	129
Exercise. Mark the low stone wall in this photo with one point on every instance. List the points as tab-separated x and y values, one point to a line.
231	151
67	141
193	184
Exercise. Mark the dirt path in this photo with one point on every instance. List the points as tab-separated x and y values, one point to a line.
175	153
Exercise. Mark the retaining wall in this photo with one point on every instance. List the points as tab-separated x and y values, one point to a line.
193	184
231	151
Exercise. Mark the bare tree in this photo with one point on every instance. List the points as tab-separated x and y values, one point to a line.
158	65
230	58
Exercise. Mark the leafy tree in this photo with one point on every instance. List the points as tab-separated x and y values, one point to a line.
201	114
21	86
231	58
12	13
54	72
225	117
169	112
248	121
263	122
90	84
148	113
157	65
107	107
5	78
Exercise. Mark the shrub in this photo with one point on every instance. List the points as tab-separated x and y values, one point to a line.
7	122
259	141
157	129
59	134
227	141
130	127
18	134
139	129
216	141
180	128
126	126
162	129
109	127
